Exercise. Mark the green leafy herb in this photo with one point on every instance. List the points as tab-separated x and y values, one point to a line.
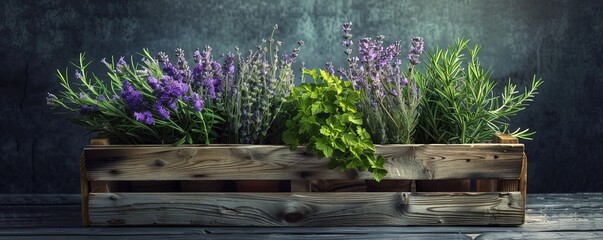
458	103
326	120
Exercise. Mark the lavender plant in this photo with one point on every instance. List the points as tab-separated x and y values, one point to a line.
142	103
254	96
390	96
459	104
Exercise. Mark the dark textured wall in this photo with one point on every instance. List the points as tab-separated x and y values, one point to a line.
560	41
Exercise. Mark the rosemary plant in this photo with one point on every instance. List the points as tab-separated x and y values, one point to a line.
459	104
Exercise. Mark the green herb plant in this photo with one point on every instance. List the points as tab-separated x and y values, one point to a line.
326	120
253	98
100	106
458	103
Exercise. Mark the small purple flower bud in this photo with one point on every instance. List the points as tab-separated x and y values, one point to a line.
121	62
329	68
78	75
87	110
161	111
196	101
162	57
144	117
153	82
347	43
346	27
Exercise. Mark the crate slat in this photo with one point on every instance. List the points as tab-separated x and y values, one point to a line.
241	162
305	209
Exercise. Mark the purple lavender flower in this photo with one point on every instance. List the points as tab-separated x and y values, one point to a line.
229	67
132	98
207	73
182	64
121	61
366	50
121	64
416	50
403	81
329	68
347	43
196	101
161	111
153	82
162	57
87	110
346	28
145	117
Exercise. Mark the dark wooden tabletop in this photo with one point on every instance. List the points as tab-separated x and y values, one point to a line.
548	216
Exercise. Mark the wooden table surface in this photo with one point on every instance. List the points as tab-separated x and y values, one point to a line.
548	216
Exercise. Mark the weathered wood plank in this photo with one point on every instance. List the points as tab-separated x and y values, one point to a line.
84	190
441	236
28	214
490	185
307	209
505	184
239	162
540	235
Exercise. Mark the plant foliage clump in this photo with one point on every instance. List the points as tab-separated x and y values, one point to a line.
141	103
327	121
458	103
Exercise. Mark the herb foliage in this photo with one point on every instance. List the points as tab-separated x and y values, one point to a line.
326	120
458	103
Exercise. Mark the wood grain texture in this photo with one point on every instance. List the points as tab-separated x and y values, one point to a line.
540	235
335	236
243	162
85	190
491	185
57	215
305	209
504	185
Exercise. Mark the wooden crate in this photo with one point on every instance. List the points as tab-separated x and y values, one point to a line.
498	171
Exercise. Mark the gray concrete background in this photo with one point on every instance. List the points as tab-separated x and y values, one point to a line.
560	41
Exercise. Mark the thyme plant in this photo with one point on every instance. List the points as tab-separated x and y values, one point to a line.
459	104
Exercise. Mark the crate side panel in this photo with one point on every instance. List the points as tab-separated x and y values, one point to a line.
305	209
241	162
